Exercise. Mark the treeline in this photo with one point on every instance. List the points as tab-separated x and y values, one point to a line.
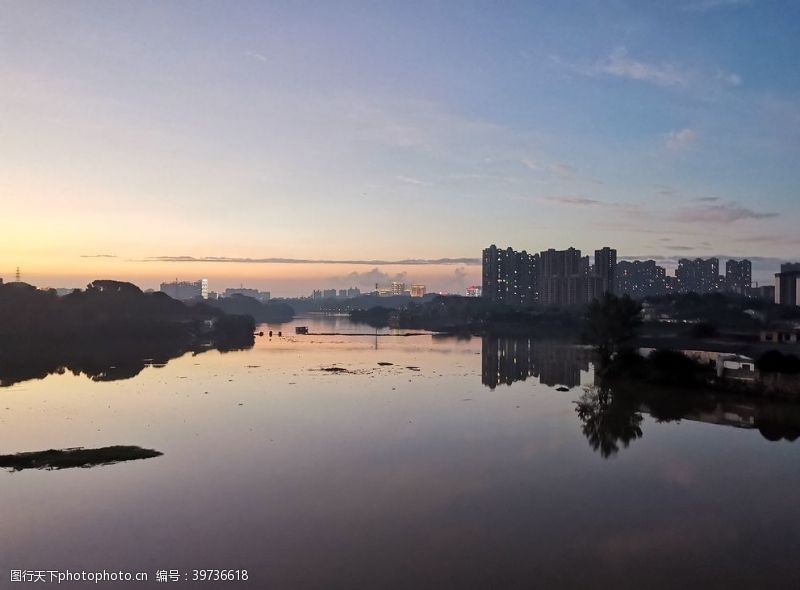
271	312
107	309
454	313
110	330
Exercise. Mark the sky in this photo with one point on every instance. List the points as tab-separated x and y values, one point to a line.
298	145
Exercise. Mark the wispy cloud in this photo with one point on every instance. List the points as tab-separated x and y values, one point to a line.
414	181
579	201
678	141
721	214
562	169
98	255
778	240
255	55
707	5
241	260
620	65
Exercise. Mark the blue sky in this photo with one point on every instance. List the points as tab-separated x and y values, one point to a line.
377	130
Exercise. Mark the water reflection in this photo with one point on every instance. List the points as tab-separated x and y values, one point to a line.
609	419
506	360
106	360
612	414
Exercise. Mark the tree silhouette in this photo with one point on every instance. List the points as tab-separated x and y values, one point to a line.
608	419
610	322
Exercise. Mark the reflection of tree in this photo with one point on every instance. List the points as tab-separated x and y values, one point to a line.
104	359
609	419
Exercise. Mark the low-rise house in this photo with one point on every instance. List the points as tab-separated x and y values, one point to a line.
781	336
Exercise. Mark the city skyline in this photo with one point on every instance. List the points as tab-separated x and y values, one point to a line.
671	128
619	268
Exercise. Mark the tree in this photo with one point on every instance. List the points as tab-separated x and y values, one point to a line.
611	322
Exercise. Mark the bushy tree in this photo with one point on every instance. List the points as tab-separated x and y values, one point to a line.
612	321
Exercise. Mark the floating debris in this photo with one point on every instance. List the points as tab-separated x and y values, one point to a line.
562	388
385	364
413	368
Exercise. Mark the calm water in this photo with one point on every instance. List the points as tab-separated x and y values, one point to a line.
473	471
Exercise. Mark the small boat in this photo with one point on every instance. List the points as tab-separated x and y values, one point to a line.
301	330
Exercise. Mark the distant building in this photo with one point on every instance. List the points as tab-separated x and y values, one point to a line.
764	292
564	278
474	291
640	279
418	290
698	276
397	288
509	276
329	293
186	290
342	294
738	276
353	292
605	267
316	294
787	284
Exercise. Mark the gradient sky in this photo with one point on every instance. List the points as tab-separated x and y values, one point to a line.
378	131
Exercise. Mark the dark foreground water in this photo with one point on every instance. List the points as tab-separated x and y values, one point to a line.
468	470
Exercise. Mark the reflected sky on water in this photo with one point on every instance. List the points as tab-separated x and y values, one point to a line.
473	471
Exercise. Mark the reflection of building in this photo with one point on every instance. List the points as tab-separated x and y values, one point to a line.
418	290
185	290
506	360
787	285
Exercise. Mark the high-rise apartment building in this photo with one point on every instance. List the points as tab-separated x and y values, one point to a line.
787	284
509	276
418	290
698	275
738	276
186	290
605	267
552	277
641	278
559	274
